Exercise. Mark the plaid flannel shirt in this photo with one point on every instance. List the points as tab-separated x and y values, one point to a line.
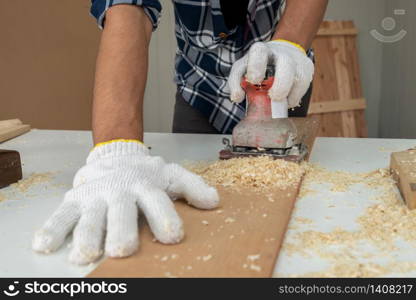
206	49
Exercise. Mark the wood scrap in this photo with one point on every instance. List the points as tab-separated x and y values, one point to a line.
12	128
10	167
403	168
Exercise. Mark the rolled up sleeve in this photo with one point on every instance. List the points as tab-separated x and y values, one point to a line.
152	8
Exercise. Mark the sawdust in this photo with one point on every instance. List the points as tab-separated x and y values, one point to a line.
380	227
229	220
257	173
253	257
302	220
255	267
206	257
34	179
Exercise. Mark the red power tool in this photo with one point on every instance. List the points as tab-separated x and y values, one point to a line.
266	128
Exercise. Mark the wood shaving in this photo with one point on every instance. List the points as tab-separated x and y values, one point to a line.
255	172
380	226
255	268
2	197
301	220
204	222
229	220
206	257
25	184
253	257
170	275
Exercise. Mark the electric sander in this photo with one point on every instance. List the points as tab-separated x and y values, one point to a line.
266	128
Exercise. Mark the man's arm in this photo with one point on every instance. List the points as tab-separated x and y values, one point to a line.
121	74
300	21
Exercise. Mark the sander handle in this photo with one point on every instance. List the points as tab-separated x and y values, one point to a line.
279	109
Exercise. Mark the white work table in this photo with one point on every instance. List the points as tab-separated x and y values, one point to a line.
63	152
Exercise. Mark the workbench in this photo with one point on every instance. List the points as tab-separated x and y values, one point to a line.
62	153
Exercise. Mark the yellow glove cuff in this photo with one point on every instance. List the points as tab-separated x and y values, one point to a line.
117	140
292	43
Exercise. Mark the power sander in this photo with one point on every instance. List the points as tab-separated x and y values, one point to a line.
266	128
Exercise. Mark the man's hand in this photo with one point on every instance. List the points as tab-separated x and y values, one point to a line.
293	71
119	178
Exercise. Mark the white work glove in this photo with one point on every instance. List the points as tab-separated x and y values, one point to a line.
119	178
293	71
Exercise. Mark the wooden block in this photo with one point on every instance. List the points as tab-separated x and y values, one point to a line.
12	131
10	167
403	169
9	123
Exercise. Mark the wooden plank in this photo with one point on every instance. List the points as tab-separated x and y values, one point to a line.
337	31
337	79
337	106
403	169
324	87
307	130
8	123
12	131
219	248
355	80
343	82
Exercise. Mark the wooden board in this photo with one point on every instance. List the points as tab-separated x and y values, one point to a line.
12	128
337	79
308	129
403	168
220	248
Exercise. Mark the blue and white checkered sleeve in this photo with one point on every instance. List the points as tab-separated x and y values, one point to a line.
152	8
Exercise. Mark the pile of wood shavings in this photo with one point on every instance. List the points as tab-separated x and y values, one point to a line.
381	225
2	197
254	172
34	179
